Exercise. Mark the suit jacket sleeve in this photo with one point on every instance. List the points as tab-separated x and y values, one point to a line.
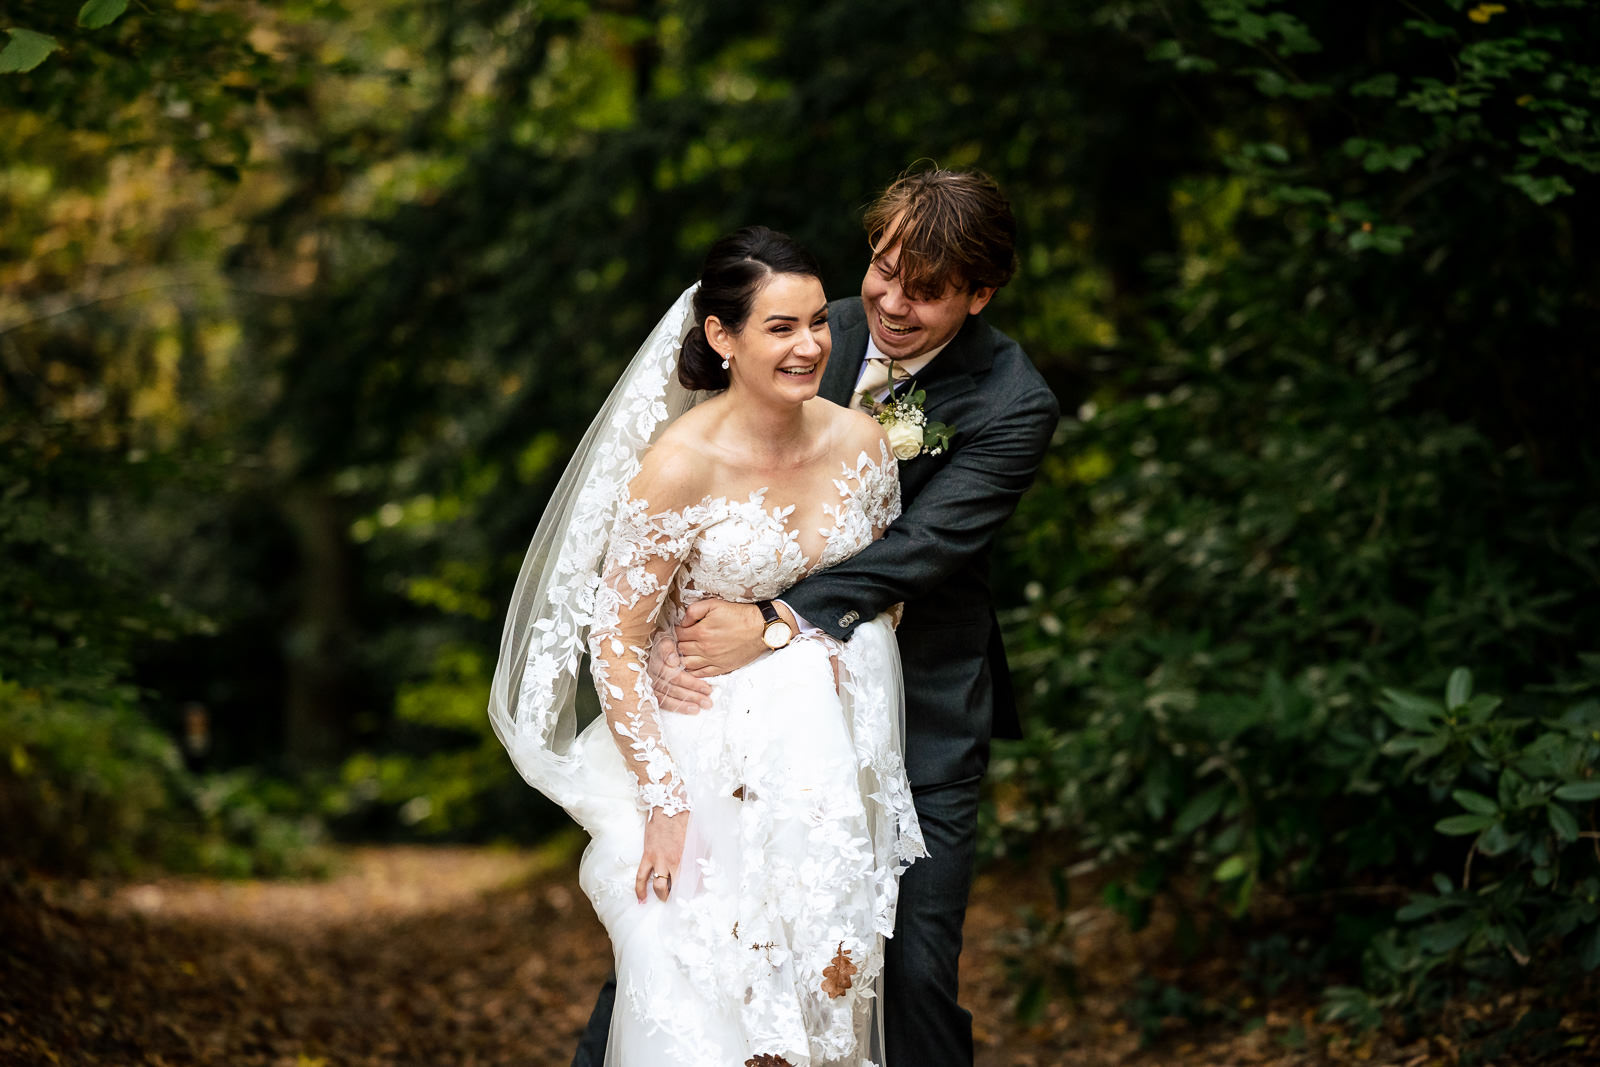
951	521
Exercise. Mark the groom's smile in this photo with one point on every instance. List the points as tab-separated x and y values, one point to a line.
898	331
904	327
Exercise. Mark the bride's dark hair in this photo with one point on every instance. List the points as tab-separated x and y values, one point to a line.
737	267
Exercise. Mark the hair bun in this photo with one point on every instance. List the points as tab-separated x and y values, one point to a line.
699	365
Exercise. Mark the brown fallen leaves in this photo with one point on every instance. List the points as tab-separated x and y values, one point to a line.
465	958
480	958
767	1059
836	976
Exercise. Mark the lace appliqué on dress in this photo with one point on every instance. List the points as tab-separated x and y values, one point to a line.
802	817
736	550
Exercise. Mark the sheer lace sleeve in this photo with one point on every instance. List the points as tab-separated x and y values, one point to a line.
645	553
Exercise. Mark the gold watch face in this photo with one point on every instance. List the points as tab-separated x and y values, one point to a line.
776	635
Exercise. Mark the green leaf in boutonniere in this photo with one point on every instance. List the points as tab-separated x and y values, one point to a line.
906	424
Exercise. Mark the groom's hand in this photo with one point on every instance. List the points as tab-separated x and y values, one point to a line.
675	688
716	637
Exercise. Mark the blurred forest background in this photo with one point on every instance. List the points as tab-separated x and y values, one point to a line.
304	304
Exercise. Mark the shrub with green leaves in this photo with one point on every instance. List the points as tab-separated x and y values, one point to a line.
1214	618
82	787
441	774
1346	456
93	788
1525	789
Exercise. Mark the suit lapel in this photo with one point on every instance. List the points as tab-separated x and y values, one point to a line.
844	364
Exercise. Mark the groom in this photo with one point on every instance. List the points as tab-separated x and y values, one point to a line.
943	243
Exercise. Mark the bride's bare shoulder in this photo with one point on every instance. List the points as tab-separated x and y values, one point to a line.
857	432
693	433
676	471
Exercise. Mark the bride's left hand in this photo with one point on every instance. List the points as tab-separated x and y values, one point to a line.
717	636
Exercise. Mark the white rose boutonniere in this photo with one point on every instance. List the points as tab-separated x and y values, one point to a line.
905	440
907	427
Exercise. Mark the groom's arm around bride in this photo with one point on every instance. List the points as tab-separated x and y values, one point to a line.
943	244
950	245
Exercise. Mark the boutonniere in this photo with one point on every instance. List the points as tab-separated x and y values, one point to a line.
906	425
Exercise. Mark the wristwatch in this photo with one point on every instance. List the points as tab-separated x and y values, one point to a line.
775	633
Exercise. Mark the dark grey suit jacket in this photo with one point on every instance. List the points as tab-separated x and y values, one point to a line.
935	557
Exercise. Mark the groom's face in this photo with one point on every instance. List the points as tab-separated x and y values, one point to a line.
903	327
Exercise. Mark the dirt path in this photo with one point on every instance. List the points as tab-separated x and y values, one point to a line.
473	956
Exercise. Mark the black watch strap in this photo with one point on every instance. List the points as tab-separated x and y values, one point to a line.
769	614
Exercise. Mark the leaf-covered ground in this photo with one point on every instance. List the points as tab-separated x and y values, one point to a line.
476	956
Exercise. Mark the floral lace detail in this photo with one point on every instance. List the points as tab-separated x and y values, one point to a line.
796	783
643	558
747	551
874	486
737	550
820	830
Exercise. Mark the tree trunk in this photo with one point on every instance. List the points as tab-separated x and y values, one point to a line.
320	640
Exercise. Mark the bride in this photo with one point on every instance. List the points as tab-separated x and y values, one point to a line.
745	860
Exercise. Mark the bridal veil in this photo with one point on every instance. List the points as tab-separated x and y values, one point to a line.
532	701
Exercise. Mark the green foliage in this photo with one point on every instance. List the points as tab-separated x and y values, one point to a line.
76	609
1155	1003
92	788
25	50
1521	96
443	774
1243	568
1038	954
1529	888
1304	485
28	48
83	786
95	14
302	307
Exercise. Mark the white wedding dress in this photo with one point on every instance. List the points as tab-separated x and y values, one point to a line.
771	942
769	949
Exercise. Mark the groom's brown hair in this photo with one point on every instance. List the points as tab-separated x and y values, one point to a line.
954	227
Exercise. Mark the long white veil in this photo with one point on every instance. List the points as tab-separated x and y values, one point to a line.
532	698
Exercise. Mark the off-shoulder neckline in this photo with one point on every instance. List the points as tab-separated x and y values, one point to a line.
863	460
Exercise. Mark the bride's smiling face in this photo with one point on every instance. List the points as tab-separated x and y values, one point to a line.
782	350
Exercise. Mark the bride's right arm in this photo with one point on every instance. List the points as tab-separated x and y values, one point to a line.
652	536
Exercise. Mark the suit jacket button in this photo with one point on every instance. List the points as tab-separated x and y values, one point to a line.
849	617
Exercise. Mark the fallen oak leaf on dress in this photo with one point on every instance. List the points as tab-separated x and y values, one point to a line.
836	976
767	1059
